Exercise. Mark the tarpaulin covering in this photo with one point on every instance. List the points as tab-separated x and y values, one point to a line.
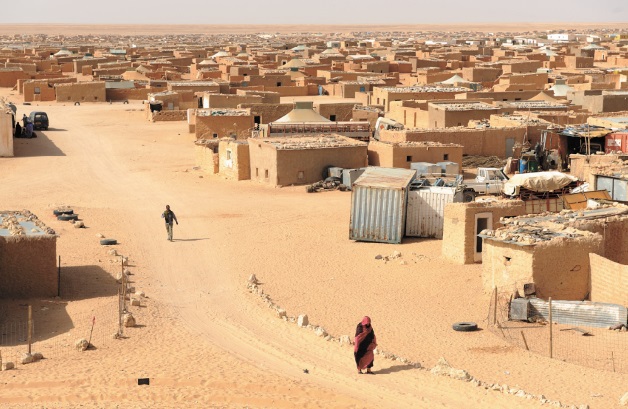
538	182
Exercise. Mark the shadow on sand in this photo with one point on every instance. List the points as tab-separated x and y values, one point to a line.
395	368
40	146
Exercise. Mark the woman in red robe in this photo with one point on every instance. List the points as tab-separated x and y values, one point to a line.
364	344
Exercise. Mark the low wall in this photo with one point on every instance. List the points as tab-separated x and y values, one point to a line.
609	281
28	266
159	116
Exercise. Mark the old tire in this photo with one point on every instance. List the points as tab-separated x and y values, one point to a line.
108	242
66	217
465	326
468	196
58	212
77	103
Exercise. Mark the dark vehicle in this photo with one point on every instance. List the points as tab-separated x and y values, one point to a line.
39	120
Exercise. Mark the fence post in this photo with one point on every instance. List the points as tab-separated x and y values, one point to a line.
59	279
495	310
524	341
30	327
551	324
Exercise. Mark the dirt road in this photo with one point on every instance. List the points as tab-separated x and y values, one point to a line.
204	340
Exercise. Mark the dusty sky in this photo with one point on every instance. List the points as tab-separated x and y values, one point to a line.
312	12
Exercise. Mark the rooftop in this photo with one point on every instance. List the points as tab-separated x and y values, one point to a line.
473	106
222	112
22	223
424	89
312	142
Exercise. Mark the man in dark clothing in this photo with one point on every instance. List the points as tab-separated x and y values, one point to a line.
169	217
18	130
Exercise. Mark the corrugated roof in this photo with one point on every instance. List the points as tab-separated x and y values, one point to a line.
391	178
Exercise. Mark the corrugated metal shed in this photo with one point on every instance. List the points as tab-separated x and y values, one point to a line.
378	205
584	313
426	209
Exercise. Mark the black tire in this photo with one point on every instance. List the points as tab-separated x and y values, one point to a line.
465	326
468	196
58	212
77	103
125	102
108	242
66	217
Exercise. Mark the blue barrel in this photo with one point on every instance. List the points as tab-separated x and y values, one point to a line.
523	165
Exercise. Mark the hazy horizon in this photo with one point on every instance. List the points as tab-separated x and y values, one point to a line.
327	12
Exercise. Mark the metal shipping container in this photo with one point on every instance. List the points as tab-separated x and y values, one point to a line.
378	205
426	168
426	209
617	142
349	176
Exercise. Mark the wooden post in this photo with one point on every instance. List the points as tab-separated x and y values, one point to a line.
612	360
0	360
524	341
119	312
30	327
59	279
123	284
495	310
551	325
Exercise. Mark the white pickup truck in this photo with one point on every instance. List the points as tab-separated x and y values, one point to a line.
489	181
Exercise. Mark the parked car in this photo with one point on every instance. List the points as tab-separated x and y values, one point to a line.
39	120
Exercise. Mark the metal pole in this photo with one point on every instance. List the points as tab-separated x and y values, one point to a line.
524	341
495	310
30	327
551	325
59	279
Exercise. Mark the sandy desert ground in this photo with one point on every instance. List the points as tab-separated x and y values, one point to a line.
151	29
203	339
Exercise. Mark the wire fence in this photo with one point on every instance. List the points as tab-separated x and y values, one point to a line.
51	328
561	330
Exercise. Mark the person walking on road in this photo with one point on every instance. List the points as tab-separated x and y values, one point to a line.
169	217
365	342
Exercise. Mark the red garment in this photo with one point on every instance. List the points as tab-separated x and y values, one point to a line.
364	344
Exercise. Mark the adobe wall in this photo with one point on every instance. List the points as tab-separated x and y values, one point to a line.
614	231
268	112
216	127
6	132
263	159
237	165
128	94
205	158
609	281
21	273
8	79
312	162
459	240
81	92
229	101
169	115
342	111
391	156
484	142
46	92
284	91
559	268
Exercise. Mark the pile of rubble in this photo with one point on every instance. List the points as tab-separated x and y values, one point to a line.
11	222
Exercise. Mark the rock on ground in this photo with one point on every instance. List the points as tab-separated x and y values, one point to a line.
7	366
81	344
623	401
302	321
445	369
27	359
128	320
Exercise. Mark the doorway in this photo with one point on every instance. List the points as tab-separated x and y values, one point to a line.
483	221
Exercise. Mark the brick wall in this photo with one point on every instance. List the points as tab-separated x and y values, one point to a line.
609	281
